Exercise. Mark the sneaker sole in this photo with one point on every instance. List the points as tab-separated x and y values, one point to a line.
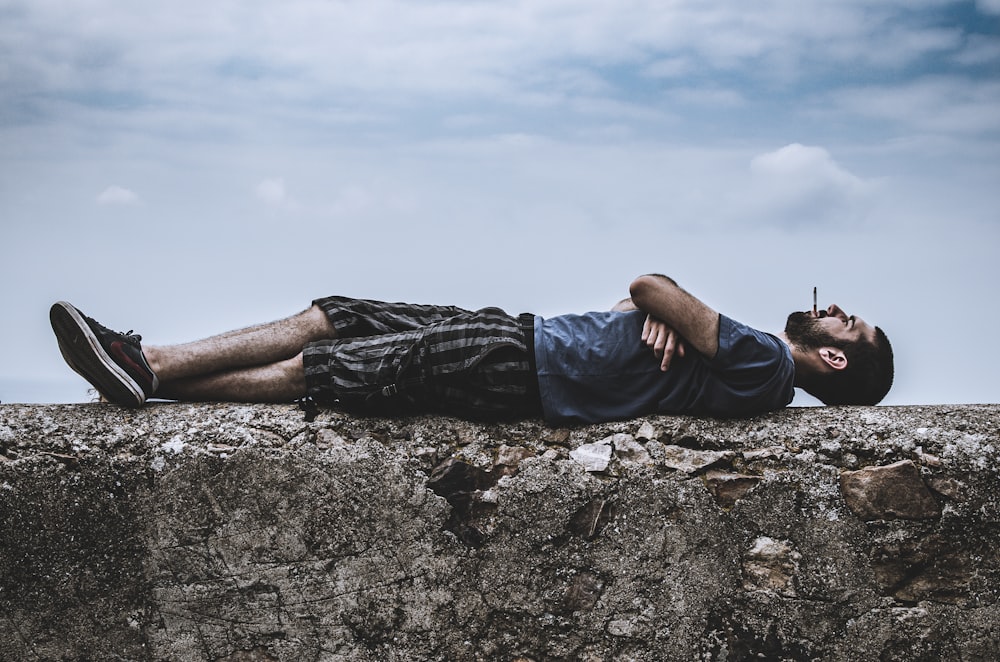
84	354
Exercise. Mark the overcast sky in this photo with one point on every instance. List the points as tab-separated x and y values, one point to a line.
188	167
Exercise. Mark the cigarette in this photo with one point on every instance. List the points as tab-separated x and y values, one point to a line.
814	302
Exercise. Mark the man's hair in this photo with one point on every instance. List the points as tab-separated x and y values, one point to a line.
866	379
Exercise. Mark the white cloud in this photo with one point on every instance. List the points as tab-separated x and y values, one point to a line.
713	97
799	185
669	67
272	191
953	106
352	201
388	55
988	6
117	196
979	50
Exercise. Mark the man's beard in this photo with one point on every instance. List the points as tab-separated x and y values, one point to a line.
803	330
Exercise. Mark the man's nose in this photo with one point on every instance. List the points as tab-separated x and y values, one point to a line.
835	311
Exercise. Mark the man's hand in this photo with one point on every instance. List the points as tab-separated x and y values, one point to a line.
695	322
663	340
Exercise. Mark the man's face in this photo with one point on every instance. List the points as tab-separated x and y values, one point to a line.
827	328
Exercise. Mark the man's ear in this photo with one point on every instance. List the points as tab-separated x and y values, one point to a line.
833	357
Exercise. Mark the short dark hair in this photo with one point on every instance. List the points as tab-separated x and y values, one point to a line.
866	379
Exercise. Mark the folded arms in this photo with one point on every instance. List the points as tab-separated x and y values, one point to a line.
675	320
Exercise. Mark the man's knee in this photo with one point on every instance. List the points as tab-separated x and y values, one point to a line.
294	372
321	328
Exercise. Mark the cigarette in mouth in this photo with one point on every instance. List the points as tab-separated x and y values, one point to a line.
814	302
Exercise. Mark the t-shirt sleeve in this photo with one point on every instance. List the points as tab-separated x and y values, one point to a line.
755	368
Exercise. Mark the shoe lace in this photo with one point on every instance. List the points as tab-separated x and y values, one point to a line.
129	336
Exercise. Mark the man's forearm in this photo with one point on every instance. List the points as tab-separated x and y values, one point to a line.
628	305
666	278
661	297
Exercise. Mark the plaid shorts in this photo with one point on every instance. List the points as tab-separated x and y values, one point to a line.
399	358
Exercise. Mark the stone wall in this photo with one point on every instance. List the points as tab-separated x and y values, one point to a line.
238	533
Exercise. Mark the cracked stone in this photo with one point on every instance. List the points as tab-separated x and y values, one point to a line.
621	628
727	488
588	521
903	614
769	453
927	459
583	592
647	432
947	487
509	457
691	461
931	568
593	457
630	451
462	485
888	492
771	565
559	437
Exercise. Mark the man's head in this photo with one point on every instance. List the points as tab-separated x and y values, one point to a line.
846	361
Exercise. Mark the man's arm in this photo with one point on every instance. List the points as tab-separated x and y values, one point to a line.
664	300
658	336
624	306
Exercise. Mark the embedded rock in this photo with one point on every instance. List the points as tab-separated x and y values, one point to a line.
231	533
593	457
728	487
894	490
771	565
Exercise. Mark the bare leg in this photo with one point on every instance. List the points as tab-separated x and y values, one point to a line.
262	345
282	381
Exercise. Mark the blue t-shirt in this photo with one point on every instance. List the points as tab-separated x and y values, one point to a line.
594	367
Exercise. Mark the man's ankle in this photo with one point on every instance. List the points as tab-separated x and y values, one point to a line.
154	358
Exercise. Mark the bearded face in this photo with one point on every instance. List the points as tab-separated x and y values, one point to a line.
803	330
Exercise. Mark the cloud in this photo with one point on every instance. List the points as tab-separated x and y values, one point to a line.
272	191
352	201
312	61
668	67
712	97
979	50
945	105
115	196
988	6
799	185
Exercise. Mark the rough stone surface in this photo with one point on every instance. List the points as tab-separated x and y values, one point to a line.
233	532
728	487
894	490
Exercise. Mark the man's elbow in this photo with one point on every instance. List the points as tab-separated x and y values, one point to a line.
645	287
638	289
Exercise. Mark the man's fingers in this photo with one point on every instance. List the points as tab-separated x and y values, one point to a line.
651	334
669	347
662	340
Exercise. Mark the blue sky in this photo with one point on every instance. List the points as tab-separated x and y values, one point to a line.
184	168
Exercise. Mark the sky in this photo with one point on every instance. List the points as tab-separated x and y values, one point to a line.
184	168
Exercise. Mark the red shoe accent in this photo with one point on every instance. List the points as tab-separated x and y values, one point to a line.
123	358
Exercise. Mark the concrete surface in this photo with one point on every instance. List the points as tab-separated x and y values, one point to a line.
239	533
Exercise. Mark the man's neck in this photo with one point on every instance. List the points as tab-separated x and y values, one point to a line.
805	362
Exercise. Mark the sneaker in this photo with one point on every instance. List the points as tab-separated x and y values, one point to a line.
112	362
